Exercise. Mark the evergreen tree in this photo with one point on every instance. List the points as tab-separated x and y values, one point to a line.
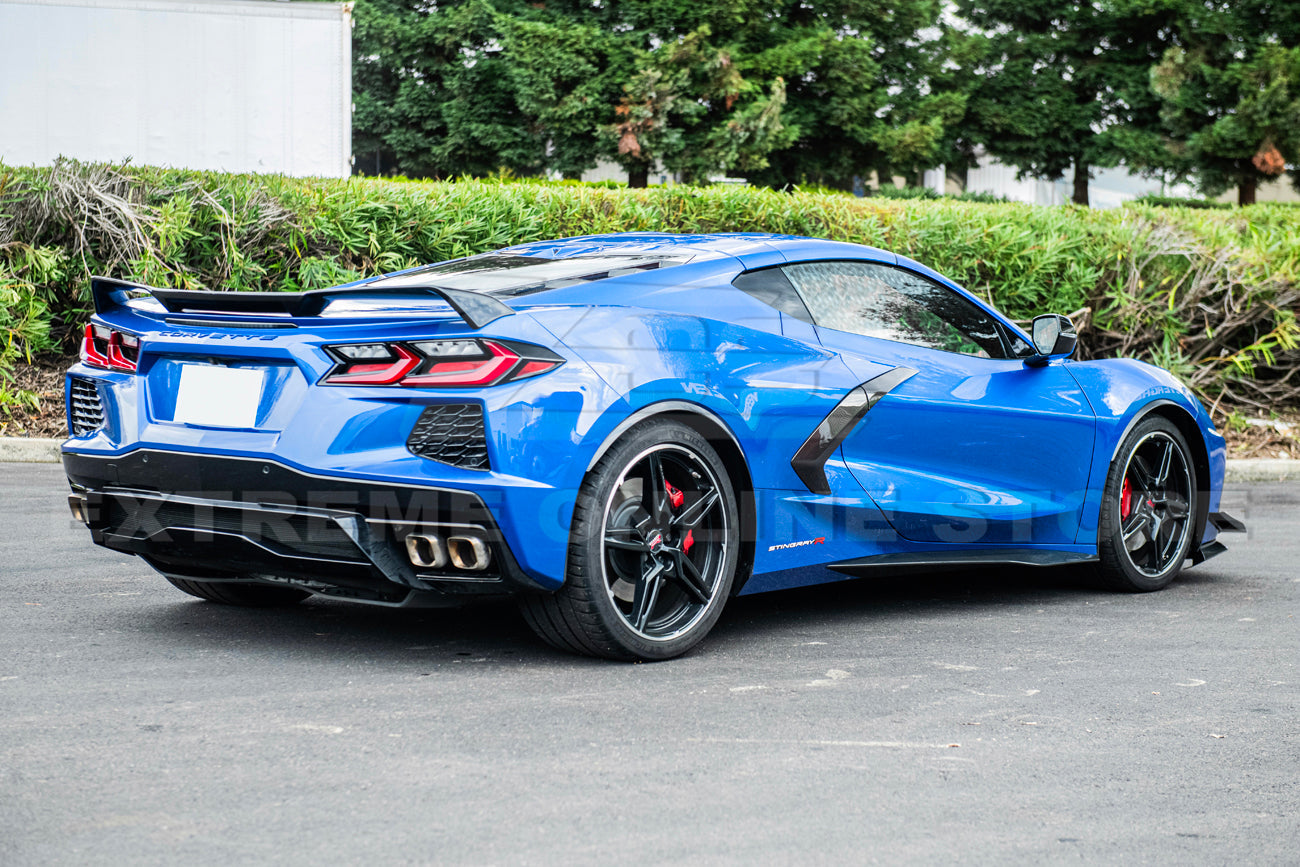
689	106
1231	92
1064	85
434	92
863	87
774	90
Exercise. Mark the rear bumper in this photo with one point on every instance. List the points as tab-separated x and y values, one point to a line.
226	518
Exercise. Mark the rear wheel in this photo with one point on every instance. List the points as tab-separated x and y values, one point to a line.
652	553
1148	514
243	595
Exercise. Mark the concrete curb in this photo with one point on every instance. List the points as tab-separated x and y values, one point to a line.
1263	470
29	450
46	451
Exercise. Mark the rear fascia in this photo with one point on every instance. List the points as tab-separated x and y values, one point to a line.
535	427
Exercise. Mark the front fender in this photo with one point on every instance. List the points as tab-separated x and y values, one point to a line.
1124	391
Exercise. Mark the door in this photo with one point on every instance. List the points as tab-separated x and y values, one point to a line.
975	447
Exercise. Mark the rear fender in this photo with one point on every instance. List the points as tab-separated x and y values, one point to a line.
769	391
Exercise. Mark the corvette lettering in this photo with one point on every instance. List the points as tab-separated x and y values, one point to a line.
216	335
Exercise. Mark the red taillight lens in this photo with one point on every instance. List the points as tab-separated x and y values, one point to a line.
365	364
109	349
462	363
486	369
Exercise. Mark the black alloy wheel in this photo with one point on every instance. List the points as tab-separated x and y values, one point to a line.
1149	510
653	550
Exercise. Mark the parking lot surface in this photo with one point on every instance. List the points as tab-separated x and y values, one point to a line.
980	717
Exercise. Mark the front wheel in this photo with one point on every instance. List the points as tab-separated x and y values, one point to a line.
1148	512
652	552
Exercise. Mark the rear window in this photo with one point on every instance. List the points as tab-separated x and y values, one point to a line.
512	276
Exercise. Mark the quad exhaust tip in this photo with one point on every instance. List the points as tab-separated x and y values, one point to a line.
80	506
467	553
426	552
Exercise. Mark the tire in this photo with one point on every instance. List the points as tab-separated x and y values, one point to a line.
652	550
243	595
1148	512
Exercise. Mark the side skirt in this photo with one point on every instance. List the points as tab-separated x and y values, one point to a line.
960	559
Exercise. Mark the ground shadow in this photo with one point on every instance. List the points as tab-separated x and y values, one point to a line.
495	630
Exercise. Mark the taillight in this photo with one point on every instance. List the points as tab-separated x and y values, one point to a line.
462	363
372	364
110	349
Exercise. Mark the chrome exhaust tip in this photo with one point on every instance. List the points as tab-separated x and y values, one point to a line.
80	506
469	553
426	551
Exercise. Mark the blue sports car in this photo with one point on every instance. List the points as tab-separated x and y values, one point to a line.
620	432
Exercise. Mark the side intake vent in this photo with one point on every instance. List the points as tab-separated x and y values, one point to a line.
86	410
451	433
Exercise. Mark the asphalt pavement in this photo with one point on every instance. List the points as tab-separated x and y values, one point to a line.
980	717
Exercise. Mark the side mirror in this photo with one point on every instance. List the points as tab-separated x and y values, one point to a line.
1054	337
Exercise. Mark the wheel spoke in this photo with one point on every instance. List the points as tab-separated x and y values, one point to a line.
695	512
645	596
1166	547
689	578
1144	477
659	505
625	539
1161	480
1133	530
1177	507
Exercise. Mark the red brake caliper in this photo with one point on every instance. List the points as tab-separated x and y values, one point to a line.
1126	499
676	497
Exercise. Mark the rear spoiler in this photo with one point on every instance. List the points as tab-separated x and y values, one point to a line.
477	310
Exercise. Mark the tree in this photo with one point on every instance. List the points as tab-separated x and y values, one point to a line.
1065	85
644	132
774	90
689	107
864	87
1231	93
434	93
565	74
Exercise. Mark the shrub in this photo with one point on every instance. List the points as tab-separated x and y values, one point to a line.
1158	201
889	191
1209	294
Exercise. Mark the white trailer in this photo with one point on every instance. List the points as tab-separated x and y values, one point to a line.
228	85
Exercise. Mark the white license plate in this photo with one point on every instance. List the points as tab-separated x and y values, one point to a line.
215	396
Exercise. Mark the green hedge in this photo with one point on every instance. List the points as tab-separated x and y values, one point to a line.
1209	294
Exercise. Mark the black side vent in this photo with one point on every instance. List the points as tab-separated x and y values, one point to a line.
86	410
451	433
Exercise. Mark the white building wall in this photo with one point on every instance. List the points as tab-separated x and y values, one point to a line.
227	85
999	180
1108	188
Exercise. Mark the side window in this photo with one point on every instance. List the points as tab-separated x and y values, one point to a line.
895	304
773	288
